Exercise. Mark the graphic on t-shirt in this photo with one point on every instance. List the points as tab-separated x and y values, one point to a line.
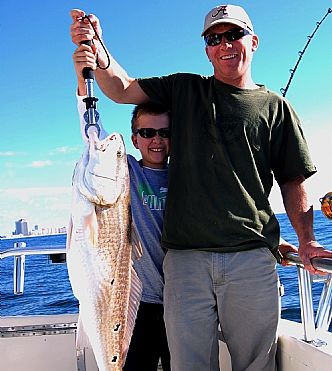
152	200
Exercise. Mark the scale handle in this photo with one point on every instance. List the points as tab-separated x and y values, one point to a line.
87	71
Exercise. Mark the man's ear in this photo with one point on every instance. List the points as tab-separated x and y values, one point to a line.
206	52
134	140
255	42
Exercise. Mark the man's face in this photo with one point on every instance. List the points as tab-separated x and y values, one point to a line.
154	150
232	59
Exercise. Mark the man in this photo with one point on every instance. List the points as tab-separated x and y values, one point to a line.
229	137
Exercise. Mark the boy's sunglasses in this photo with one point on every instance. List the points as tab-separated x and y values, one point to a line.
150	132
214	39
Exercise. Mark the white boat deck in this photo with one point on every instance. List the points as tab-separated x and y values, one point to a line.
294	354
40	343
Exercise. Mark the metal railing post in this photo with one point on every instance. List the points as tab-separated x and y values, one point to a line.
324	311
19	270
307	309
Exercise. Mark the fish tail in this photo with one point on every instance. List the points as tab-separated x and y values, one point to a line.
82	340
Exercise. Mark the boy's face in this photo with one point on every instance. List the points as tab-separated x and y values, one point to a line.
154	150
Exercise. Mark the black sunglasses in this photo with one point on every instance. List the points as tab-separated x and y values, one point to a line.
214	39
150	132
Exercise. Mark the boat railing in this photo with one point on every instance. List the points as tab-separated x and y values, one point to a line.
20	251
311	323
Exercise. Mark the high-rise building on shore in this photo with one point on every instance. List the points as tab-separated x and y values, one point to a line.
21	227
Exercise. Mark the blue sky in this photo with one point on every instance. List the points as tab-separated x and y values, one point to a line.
40	138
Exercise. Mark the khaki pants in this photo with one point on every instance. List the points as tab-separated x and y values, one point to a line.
239	291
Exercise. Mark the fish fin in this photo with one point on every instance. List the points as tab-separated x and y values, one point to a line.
134	301
137	249
91	225
69	233
82	340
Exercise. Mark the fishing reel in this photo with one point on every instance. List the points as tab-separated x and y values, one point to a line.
326	205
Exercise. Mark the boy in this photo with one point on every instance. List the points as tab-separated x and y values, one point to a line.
148	186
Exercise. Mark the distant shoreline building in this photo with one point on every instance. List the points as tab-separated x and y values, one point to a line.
22	230
21	227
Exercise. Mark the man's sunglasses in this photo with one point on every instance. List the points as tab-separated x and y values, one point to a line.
214	39
150	132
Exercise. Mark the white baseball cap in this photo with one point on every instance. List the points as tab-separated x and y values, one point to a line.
227	14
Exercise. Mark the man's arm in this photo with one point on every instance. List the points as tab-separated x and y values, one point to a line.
114	81
301	216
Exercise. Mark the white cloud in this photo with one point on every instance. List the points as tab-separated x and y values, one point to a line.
66	150
8	154
41	163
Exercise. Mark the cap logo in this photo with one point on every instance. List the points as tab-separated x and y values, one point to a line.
222	9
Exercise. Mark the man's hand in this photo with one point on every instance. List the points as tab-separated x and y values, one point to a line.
284	248
312	250
81	28
84	57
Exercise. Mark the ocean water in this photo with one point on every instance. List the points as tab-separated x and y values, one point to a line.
47	288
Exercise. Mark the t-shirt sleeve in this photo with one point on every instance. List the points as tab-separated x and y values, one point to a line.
159	89
289	149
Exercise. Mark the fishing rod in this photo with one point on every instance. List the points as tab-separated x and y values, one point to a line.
301	53
326	201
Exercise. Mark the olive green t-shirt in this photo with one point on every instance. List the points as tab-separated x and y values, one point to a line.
227	144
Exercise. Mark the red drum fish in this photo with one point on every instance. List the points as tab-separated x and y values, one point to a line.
101	246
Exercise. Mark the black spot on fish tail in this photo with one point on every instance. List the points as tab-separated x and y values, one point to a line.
114	359
112	282
117	327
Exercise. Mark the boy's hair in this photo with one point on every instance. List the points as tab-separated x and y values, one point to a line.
147	108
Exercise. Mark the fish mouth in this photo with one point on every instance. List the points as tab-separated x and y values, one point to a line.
102	176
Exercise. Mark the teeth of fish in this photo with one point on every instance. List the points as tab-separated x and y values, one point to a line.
100	246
